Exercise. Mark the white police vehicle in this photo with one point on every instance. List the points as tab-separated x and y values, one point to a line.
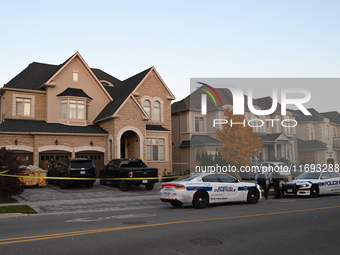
313	184
200	189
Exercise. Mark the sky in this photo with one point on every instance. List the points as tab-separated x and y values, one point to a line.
182	39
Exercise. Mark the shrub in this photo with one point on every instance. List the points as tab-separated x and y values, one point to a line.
10	186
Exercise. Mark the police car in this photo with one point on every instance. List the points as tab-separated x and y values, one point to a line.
200	189
313	184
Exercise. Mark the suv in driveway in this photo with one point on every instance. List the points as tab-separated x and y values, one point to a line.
77	168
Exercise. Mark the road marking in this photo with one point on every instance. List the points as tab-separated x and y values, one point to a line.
125	216
94	231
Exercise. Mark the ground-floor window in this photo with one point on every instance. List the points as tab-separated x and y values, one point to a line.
155	149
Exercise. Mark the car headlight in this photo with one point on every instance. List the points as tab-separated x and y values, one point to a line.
304	185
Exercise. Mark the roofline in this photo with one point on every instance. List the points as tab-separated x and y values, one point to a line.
145	115
77	54
172	97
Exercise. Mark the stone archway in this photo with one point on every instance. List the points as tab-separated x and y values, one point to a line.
129	145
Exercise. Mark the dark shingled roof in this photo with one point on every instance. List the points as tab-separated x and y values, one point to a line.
201	140
334	116
36	74
156	128
25	126
33	76
73	92
315	117
311	145
120	93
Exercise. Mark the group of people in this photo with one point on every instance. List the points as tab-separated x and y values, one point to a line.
267	181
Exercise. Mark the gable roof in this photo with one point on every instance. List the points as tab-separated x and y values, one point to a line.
272	138
120	93
200	140
38	75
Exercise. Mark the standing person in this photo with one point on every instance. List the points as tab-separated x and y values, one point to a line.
262	178
274	181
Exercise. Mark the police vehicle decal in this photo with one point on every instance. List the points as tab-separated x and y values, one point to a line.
199	188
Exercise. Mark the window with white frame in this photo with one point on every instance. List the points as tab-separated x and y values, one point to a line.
73	109
199	124
23	106
155	149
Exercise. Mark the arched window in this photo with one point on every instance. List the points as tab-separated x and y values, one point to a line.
147	107
156	111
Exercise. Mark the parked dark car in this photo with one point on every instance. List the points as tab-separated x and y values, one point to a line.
73	168
130	172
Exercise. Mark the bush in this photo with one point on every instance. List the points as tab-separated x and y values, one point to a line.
10	186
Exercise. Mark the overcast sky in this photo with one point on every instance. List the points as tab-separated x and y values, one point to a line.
182	39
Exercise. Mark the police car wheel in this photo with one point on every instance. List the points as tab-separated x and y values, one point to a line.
200	200
176	203
314	191
253	196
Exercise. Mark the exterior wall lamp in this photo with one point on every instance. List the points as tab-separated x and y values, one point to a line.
16	142
56	142
91	143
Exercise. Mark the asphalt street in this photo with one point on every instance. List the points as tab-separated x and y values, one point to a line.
273	226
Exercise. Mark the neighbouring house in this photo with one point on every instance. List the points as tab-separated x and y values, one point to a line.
318	139
193	132
72	110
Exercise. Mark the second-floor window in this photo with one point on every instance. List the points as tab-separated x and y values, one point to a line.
153	109
199	124
73	109
256	123
23	106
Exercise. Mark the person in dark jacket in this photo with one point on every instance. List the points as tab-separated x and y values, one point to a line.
262	180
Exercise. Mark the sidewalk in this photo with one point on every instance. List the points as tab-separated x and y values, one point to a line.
51	199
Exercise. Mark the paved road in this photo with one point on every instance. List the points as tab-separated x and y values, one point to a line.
51	199
285	226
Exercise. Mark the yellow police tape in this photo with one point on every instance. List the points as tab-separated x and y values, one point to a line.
79	178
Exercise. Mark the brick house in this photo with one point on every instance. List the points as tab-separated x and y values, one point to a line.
318	139
194	132
72	110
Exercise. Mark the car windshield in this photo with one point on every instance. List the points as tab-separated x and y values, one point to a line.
309	175
138	163
81	164
187	177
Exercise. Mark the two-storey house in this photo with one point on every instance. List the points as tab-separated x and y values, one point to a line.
318	140
194	132
72	110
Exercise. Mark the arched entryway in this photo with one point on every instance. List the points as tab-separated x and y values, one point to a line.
130	145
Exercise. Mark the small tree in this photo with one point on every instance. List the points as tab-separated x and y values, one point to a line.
239	143
10	186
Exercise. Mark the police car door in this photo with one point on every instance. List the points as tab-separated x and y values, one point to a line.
336	181
229	185
326	183
213	184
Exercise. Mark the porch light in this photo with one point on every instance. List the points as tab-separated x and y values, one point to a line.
56	142
91	143
16	142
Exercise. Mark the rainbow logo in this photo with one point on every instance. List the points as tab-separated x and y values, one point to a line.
211	92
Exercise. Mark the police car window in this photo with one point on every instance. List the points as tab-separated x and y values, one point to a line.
334	175
226	178
325	175
211	178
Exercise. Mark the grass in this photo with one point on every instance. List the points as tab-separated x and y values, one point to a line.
17	209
